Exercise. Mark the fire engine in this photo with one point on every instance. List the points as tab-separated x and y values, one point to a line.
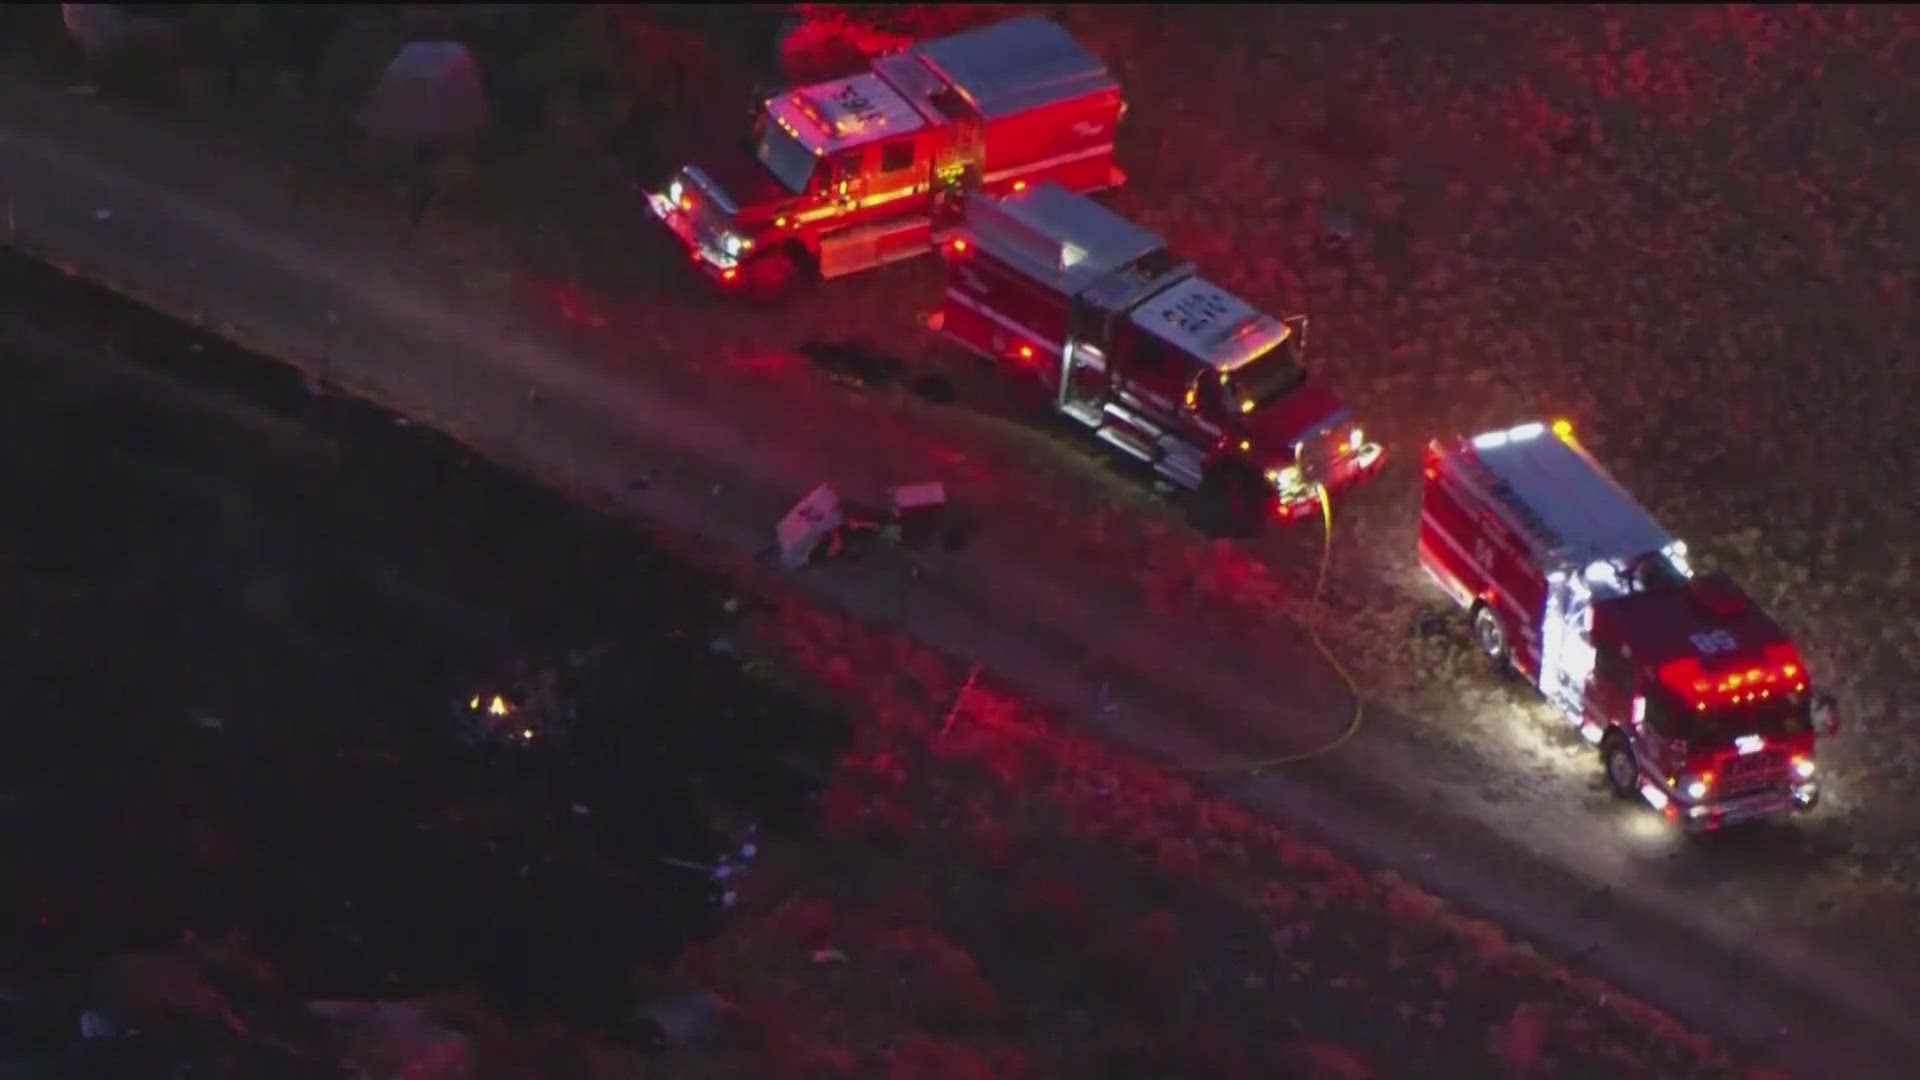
1698	701
1152	358
861	171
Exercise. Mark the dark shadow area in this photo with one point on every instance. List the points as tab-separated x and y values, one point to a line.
243	624
852	364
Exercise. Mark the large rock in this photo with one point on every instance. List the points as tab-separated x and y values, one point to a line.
431	94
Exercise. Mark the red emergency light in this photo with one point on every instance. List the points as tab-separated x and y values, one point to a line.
1779	671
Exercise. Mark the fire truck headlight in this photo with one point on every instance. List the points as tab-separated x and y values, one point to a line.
1803	768
674	191
731	244
1696	788
1287	479
1355	440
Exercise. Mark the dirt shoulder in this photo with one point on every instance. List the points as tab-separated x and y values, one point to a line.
595	420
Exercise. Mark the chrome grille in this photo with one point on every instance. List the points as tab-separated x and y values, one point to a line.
1748	771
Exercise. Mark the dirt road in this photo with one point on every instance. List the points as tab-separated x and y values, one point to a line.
136	205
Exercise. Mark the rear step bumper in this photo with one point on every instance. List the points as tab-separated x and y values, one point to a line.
1349	470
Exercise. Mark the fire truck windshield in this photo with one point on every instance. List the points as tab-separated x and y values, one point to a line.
1720	725
1269	375
784	156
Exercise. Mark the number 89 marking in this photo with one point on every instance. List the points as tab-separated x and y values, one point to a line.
1713	642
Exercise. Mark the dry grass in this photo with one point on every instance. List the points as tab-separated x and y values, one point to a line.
1018	901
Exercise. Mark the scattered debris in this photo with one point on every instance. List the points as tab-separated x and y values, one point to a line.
812	520
1337	228
736	860
822	525
526	707
918	510
959	700
95	1024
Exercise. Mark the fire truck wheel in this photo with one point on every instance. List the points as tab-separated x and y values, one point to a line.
1490	637
779	273
801	265
1623	772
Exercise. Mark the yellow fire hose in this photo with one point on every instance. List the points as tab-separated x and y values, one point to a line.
1326	653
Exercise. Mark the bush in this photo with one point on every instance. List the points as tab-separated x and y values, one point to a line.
931	978
826	41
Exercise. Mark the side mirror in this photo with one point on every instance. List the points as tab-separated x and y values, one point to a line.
1826	715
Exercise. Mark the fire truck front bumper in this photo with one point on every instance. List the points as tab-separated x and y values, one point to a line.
708	250
1767	804
1297	497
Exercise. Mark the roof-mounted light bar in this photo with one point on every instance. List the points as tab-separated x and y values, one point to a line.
1533	429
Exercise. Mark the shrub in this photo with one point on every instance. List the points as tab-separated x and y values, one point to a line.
1052	905
924	1057
932	978
802	923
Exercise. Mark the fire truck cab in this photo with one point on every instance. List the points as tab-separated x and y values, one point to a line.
862	171
1699	702
1137	347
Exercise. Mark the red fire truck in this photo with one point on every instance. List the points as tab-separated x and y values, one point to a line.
861	171
1699	702
1154	359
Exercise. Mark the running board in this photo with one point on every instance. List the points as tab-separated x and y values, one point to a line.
1126	441
1091	415
1169	457
1182	468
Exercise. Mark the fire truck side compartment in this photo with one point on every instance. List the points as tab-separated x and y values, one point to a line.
1090	265
1020	93
1056	237
1454	521
1017	65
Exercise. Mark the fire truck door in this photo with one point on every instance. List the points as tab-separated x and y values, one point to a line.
848	178
1088	379
957	163
1086	375
1610	692
1566	649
